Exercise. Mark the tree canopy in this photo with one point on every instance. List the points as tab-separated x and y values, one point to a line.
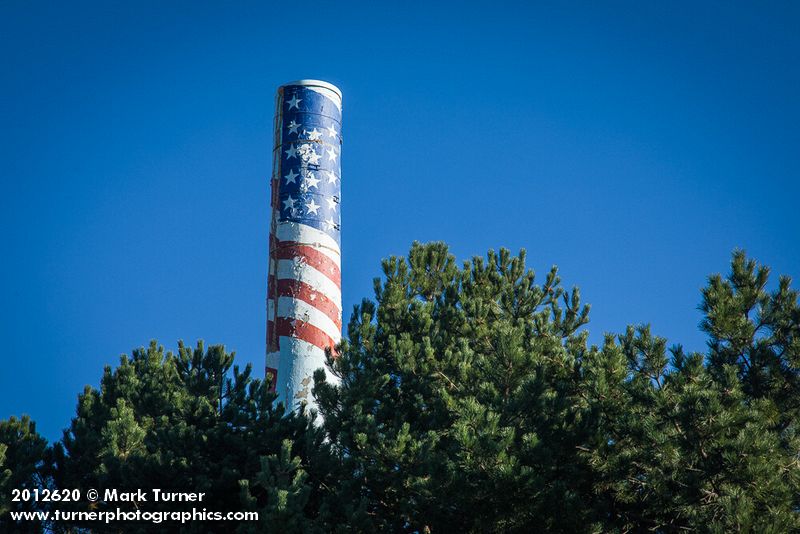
185	421
469	400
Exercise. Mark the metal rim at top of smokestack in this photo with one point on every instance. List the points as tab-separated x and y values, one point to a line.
316	83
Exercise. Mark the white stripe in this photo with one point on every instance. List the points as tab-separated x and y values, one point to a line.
295	269
296	362
308	235
297	309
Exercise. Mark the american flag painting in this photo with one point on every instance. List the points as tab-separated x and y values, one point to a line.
304	298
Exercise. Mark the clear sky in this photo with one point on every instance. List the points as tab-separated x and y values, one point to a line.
633	146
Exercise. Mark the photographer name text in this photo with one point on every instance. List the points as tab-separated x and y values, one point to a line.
154	495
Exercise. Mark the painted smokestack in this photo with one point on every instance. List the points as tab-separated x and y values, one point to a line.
304	297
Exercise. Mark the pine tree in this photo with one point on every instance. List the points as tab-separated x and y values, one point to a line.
459	407
470	401
690	451
284	494
190	421
22	467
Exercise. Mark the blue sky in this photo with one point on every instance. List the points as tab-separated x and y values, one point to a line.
634	146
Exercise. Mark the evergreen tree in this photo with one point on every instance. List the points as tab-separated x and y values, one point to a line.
756	334
282	483
189	422
22	467
690	451
460	405
470	401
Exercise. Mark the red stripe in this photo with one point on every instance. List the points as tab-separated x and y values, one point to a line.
272	339
300	330
287	250
302	291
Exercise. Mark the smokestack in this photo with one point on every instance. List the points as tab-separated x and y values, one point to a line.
304	297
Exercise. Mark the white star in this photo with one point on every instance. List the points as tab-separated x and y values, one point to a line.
290	178
330	224
312	207
331	203
293	126
311	180
312	297
308	154
331	154
313	157
331	177
291	152
332	132
313	134
288	204
294	101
